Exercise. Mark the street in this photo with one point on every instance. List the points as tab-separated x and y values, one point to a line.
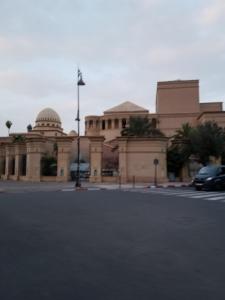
105	244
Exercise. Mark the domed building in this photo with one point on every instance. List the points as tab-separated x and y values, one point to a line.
44	153
48	123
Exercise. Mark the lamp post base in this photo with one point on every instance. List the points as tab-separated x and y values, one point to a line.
77	184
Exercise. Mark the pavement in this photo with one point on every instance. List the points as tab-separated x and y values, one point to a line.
20	186
111	245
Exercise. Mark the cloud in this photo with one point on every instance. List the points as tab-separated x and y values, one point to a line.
123	48
213	13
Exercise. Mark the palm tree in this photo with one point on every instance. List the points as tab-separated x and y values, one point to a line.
180	150
8	124
184	133
141	127
182	141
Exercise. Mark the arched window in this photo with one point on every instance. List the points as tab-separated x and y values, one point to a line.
91	124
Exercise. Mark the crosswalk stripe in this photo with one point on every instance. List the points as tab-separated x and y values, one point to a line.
206	195
216	198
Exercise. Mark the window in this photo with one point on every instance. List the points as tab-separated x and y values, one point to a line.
124	122
116	123
109	124
103	124
91	124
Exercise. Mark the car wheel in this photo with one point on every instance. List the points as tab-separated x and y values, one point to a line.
217	187
198	188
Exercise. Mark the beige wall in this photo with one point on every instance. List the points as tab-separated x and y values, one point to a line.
136	157
218	117
168	124
181	96
211	106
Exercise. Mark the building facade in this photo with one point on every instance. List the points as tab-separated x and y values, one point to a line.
177	102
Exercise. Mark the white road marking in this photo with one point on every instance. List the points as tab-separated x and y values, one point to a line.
215	198
207	194
203	195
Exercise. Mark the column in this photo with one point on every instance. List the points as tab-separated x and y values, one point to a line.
122	159
35	150
2	161
9	151
96	149
63	159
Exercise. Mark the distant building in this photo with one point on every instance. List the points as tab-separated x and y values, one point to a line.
177	102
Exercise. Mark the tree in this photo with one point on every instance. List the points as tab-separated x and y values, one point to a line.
208	140
18	138
29	128
141	127
8	124
202	142
182	143
184	133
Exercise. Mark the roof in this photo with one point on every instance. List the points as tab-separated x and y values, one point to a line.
126	106
48	114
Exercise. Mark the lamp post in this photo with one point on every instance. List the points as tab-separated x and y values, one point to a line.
79	83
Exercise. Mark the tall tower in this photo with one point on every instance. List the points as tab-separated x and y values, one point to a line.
179	96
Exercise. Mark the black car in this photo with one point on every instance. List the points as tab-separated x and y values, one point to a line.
210	178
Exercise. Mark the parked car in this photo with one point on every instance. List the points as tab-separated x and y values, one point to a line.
211	177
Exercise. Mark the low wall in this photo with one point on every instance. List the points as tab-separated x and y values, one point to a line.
49	178
137	156
110	179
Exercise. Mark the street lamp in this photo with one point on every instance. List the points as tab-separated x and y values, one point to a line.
79	83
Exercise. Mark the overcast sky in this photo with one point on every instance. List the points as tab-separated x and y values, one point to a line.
123	47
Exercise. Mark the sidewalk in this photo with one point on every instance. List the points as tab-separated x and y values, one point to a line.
19	186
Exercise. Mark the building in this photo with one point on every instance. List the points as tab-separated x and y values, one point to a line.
23	155
177	102
43	154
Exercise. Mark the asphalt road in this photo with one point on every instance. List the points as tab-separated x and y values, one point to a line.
110	245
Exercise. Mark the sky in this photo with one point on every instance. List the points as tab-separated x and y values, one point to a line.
122	47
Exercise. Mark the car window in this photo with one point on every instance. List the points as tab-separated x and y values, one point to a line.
223	171
209	170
